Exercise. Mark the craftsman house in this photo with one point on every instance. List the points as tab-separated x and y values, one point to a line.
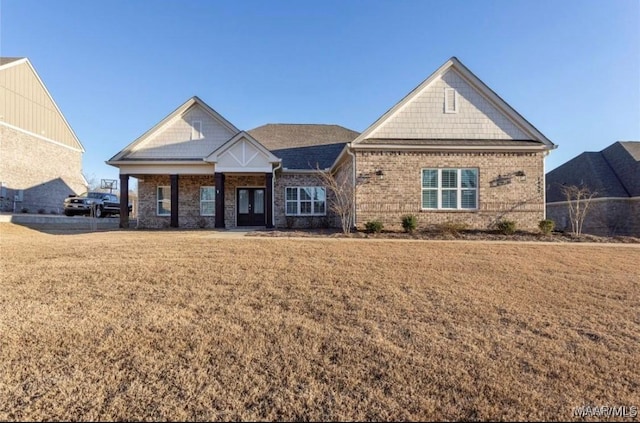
40	155
450	150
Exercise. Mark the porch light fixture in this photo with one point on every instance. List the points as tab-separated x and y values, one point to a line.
380	173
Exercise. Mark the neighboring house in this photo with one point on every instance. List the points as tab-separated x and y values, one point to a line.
451	150
613	175
40	155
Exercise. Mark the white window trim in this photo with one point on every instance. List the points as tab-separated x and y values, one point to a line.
447	109
458	189
196	134
208	201
168	187
297	201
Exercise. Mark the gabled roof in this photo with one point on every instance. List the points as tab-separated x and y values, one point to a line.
70	135
612	172
193	101
7	60
488	94
213	157
278	136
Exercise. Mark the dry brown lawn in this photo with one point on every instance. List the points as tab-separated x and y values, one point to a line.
178	325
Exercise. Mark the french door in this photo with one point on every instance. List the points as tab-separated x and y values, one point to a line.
250	207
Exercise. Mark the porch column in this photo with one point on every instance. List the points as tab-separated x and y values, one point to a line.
269	199
219	181
174	201
124	201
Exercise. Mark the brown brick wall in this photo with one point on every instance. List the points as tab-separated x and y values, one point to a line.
188	201
284	180
46	172
400	189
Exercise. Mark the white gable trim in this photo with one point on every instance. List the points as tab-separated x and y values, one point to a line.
476	83
226	160
170	118
44	87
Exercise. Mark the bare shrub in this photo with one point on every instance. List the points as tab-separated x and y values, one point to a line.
578	202
339	182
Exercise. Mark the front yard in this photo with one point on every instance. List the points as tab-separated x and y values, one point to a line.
179	325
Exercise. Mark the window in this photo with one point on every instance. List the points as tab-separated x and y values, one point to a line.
164	201
305	201
196	130
207	201
450	189
450	100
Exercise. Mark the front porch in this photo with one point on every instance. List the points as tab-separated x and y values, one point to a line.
220	200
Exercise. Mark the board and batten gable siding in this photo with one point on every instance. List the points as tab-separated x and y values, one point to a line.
26	104
424	116
174	139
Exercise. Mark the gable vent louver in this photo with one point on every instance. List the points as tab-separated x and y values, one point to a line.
450	100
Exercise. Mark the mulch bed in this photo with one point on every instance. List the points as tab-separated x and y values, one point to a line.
466	235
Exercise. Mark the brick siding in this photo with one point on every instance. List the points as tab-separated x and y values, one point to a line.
399	191
46	172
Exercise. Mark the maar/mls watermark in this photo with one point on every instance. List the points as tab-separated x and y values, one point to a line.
606	411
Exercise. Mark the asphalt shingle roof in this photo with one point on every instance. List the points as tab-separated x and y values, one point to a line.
612	172
277	136
310	157
304	146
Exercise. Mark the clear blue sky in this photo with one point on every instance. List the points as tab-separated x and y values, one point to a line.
116	68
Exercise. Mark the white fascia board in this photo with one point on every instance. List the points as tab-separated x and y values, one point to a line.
165	169
462	148
304	171
14	63
264	169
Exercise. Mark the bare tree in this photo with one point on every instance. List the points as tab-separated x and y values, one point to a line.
578	202
340	183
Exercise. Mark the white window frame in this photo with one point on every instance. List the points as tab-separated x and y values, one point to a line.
196	134
298	202
164	201
447	108
208	201
458	189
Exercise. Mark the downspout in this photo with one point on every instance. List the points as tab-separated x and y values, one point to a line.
273	194
544	184
353	182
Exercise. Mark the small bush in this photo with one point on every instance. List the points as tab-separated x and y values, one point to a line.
506	227
374	226
546	226
24	210
409	223
41	211
54	212
453	228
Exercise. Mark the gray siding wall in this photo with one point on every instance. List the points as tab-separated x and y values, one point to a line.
605	217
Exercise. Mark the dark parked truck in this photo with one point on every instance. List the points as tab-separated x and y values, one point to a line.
99	203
